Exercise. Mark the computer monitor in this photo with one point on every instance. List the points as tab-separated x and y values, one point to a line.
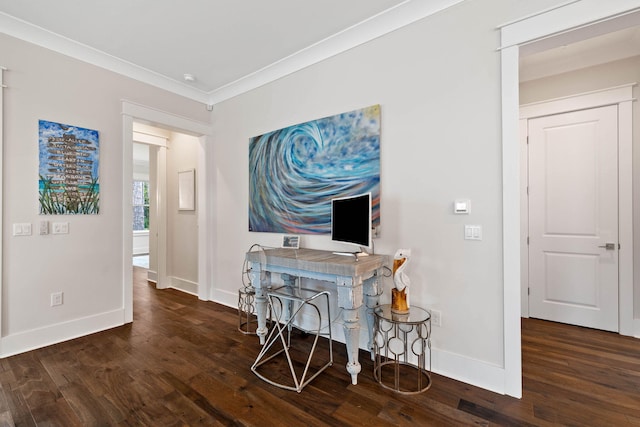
351	220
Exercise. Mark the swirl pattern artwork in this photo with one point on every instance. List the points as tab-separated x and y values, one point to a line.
295	172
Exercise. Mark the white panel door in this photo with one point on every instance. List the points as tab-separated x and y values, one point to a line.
573	218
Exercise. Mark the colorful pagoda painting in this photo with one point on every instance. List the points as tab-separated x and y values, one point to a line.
69	160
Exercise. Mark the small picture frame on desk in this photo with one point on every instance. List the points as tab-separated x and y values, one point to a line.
291	241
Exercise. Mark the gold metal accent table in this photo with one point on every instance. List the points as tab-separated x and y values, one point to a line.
399	338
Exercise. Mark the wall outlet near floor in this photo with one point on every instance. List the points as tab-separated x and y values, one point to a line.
56	298
436	317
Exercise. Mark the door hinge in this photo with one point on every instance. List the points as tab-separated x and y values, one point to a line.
527	240
527	139
528	291
619	246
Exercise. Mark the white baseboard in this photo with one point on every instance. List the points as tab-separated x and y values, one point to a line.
183	285
53	334
152	276
636	328
224	297
471	371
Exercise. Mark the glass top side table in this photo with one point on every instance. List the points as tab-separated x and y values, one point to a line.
402	344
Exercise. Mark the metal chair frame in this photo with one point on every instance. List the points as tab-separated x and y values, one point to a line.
277	334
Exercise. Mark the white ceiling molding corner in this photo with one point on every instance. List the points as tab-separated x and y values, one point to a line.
39	36
383	23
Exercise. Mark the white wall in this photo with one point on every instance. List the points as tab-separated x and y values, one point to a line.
589	79
87	264
182	226
438	83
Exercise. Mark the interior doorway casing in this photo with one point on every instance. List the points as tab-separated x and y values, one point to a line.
561	19
134	112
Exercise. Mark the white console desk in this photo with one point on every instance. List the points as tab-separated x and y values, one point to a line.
357	282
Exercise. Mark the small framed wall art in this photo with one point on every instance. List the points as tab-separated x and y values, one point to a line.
187	190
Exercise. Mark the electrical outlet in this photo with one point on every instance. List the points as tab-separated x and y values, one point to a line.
56	299
436	317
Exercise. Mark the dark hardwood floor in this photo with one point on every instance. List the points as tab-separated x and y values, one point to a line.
183	362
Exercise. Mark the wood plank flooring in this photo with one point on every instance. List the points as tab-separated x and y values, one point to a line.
183	362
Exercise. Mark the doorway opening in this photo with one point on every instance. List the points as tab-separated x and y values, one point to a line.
179	265
576	197
579	20
141	199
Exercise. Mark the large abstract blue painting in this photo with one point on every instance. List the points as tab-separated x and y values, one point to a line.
295	172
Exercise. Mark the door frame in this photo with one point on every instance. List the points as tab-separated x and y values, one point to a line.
622	97
514	35
157	146
135	112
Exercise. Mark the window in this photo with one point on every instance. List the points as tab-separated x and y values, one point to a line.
140	205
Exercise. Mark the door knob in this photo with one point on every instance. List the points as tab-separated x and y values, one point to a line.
608	246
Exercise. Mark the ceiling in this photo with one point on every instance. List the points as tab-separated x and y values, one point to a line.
571	55
228	46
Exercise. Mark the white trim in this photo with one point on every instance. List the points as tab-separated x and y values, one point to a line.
586	100
559	20
512	37
39	36
145	138
131	111
622	97
2	86
625	216
534	14
470	371
205	213
127	218
161	217
524	219
227	298
376	26
152	276
511	221
173	121
59	332
184	285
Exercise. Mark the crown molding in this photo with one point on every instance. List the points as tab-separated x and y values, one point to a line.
378	25
39	36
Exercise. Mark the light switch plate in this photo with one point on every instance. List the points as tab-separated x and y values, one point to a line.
22	229
60	228
473	232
